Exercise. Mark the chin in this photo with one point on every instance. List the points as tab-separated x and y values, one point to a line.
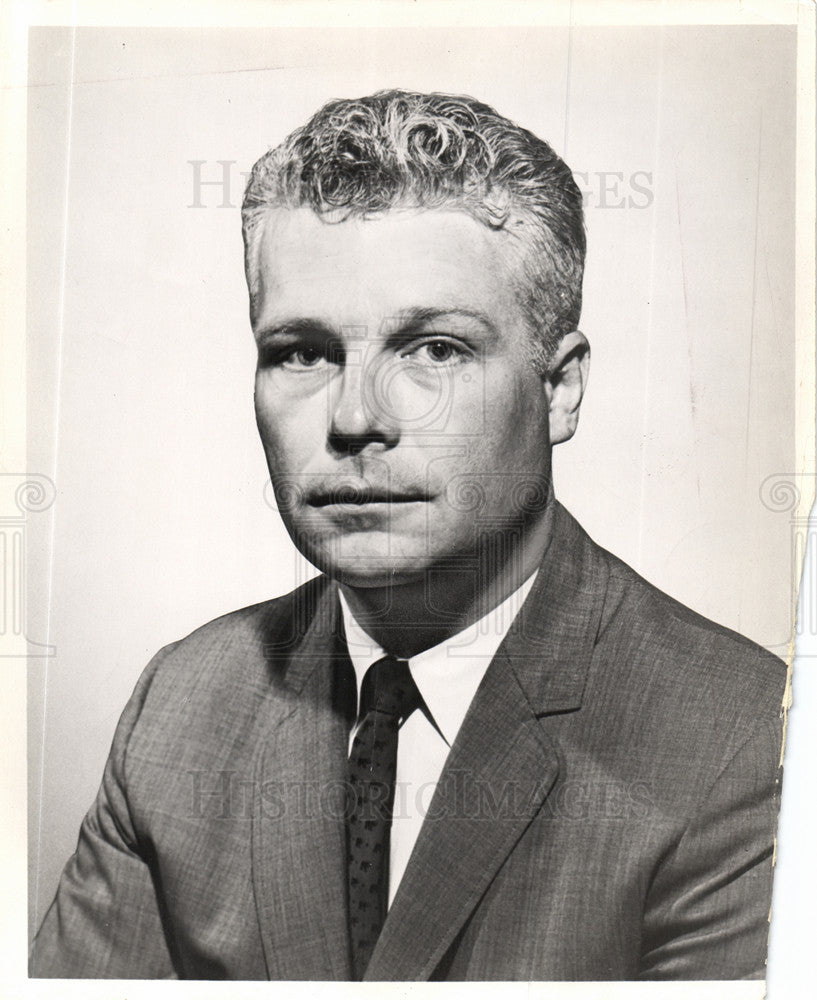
360	567
373	576
374	581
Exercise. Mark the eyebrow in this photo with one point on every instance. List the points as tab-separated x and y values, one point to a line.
296	327
406	323
412	321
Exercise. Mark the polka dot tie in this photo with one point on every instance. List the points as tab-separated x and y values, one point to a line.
388	696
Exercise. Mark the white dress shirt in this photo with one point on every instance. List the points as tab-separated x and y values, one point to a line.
447	677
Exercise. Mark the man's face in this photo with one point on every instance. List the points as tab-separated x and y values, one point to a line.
403	422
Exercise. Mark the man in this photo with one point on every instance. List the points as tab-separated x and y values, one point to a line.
477	746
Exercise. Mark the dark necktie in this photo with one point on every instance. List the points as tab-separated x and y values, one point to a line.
388	695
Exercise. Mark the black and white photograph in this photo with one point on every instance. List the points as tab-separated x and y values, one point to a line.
419	452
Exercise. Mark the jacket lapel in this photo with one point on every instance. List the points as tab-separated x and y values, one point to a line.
502	764
299	840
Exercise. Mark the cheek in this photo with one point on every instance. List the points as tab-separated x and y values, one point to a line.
266	420
278	434
514	438
512	412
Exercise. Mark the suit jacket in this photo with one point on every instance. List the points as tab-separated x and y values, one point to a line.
607	810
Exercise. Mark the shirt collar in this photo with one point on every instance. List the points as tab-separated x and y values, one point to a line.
448	674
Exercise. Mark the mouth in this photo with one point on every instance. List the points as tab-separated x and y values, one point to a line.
363	496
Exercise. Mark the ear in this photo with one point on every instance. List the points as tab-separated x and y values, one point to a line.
565	383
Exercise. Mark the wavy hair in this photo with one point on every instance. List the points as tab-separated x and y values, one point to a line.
402	149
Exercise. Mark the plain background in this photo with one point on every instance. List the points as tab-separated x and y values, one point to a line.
141	360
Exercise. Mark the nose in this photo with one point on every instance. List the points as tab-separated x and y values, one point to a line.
359	416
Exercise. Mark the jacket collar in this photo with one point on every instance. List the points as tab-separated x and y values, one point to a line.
550	643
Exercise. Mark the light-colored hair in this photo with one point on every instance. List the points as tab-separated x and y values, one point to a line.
401	149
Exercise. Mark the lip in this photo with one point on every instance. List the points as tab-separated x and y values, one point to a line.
350	496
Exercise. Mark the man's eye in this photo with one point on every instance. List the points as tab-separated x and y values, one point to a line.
302	357
439	352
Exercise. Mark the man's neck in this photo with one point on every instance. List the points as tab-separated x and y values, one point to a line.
407	618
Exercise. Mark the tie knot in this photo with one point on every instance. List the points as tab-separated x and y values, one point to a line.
389	687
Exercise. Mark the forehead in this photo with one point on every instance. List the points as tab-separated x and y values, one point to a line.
398	260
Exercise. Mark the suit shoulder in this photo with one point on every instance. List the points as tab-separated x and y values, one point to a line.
200	700
257	622
239	650
661	632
